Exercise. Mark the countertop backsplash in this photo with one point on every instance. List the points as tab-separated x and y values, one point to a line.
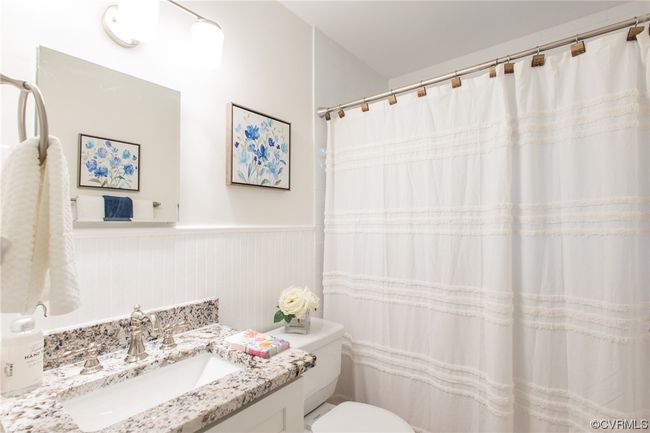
112	335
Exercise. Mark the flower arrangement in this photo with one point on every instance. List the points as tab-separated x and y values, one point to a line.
295	302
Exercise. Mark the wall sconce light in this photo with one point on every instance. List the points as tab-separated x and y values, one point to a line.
207	43
116	29
133	21
139	18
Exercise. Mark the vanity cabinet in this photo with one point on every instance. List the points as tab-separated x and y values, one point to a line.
281	411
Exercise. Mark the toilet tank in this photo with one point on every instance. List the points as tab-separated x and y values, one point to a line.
324	341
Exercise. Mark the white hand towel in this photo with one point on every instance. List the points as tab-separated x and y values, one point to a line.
142	210
90	208
46	227
21	180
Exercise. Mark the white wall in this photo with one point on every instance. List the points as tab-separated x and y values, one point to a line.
267	65
619	13
339	76
264	241
245	268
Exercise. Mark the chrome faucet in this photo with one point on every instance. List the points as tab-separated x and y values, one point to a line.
137	351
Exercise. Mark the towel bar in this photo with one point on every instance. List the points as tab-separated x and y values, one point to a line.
26	88
155	203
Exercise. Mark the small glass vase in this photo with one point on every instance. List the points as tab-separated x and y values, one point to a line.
298	325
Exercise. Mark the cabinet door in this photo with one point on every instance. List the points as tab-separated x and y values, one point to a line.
281	411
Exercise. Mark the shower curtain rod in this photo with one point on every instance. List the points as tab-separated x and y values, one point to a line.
482	66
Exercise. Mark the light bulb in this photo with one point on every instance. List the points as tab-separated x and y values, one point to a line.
207	44
139	18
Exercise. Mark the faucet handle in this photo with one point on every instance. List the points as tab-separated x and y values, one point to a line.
91	363
169	331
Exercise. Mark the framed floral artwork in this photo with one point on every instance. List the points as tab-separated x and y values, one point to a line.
258	149
109	164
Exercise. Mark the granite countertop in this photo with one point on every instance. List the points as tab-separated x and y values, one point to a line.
41	410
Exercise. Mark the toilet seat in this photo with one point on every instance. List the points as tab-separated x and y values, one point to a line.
353	417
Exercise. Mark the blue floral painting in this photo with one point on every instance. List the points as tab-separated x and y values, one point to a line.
106	163
259	149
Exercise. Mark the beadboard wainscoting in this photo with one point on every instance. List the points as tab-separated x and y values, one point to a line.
245	267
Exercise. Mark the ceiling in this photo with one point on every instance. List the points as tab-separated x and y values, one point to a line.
398	37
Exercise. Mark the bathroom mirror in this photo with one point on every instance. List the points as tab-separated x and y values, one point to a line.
120	136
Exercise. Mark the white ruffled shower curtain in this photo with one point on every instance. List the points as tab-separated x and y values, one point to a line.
487	247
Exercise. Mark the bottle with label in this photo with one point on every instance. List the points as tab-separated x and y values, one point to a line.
22	357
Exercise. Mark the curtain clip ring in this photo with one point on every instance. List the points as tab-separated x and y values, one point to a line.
455	82
538	59
492	71
508	67
634	31
421	91
578	47
392	99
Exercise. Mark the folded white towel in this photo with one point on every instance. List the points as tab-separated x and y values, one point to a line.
39	263
90	208
142	210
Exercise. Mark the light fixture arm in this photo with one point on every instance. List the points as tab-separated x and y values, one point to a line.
191	12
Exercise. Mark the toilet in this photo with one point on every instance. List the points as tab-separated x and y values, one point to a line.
324	340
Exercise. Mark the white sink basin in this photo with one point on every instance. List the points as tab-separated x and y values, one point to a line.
106	406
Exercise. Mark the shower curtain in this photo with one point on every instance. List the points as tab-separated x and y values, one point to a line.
487	248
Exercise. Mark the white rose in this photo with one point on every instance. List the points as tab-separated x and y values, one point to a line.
313	301
293	301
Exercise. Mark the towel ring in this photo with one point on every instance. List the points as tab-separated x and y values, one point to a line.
26	88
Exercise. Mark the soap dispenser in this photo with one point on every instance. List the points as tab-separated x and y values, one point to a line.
22	357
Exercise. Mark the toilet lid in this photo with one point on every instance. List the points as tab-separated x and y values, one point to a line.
353	417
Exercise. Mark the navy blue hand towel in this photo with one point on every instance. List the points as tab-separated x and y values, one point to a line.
117	208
